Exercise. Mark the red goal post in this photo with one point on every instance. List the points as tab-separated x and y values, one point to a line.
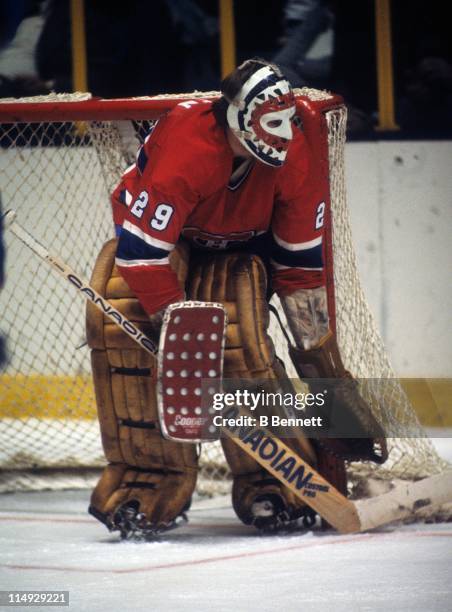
62	156
34	110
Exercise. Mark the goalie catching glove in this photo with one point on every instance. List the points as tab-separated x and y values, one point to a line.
355	433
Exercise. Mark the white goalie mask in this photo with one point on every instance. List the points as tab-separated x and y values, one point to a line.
260	115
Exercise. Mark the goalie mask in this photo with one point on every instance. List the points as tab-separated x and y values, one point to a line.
260	115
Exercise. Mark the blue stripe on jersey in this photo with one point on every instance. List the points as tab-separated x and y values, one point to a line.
305	258
130	247
142	160
122	196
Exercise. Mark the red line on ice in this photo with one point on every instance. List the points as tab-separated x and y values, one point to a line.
282	549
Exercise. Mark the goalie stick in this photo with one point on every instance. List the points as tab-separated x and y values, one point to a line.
179	406
272	454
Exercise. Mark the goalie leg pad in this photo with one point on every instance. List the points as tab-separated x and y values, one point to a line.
238	280
146	493
155	476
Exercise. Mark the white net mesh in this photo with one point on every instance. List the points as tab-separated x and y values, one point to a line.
58	177
53	179
362	349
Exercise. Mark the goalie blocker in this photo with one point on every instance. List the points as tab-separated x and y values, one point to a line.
190	351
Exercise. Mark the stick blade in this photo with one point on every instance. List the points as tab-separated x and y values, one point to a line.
404	500
190	367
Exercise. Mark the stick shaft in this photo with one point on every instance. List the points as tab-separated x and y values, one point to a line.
80	284
298	476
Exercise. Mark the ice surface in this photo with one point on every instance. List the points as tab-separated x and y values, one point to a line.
214	563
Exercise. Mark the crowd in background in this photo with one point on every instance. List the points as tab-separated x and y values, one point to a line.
140	47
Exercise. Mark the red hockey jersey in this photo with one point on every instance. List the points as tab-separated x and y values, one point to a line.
181	185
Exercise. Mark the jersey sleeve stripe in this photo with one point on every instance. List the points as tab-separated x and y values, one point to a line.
307	259
128	263
297	246
132	248
155	242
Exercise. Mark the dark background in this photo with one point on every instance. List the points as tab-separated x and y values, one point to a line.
142	47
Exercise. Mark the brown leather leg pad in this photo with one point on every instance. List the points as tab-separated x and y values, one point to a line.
125	385
238	280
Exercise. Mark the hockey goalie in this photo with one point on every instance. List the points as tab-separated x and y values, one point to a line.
225	203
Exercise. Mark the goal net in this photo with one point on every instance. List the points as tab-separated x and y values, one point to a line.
62	155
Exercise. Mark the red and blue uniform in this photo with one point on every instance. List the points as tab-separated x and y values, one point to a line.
180	186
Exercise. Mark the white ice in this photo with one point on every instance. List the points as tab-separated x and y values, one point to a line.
214	563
